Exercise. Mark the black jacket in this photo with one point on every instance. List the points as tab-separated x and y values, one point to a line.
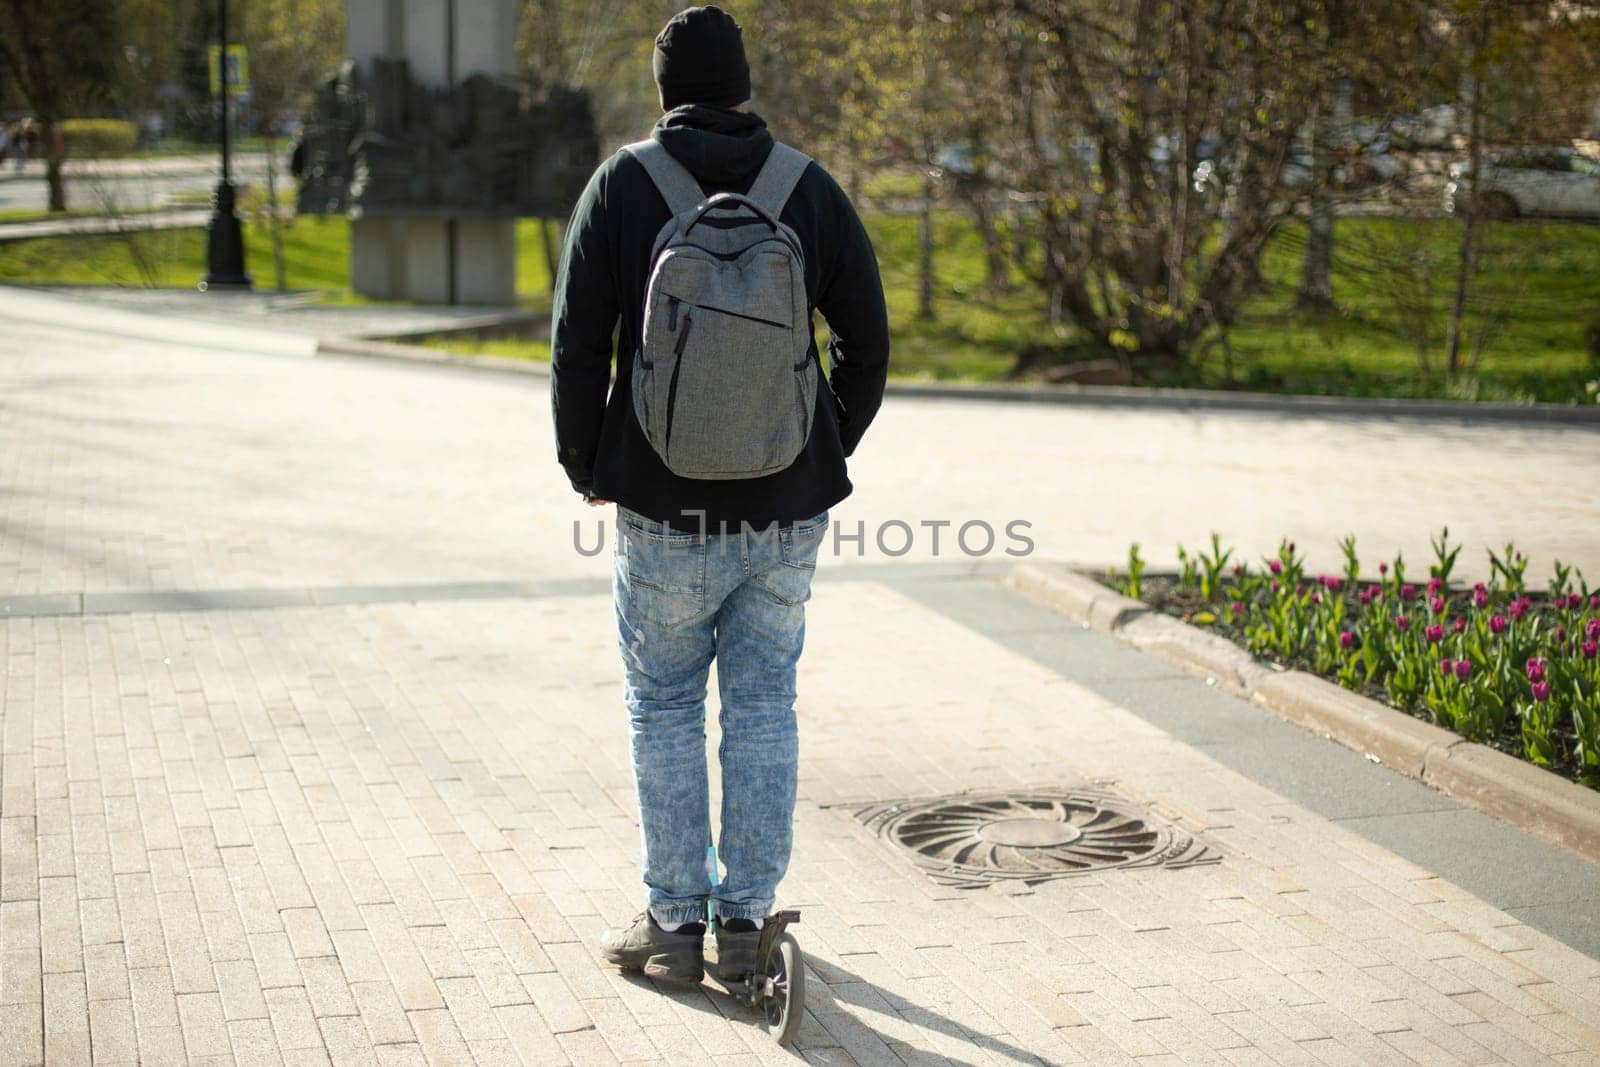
600	291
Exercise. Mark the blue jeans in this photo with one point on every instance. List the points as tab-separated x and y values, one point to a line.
681	601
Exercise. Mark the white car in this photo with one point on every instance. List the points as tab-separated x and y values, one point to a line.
1556	182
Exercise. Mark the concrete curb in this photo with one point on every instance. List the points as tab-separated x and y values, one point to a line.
371	349
103	226
1085	395
491	324
1511	790
1261	403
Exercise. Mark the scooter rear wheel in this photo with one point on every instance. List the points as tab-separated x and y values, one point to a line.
786	1004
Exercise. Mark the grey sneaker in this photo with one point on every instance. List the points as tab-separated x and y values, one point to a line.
737	942
643	946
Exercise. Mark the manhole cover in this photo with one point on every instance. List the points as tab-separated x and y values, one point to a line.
1032	837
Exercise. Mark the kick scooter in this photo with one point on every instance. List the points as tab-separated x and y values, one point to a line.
777	986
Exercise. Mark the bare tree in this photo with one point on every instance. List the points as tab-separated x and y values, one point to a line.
1479	21
61	55
294	46
1117	106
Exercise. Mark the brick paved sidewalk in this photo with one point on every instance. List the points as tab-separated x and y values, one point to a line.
376	806
388	833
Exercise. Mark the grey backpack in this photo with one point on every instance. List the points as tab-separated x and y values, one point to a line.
723	383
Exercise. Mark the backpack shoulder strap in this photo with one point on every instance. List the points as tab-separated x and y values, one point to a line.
678	187
778	177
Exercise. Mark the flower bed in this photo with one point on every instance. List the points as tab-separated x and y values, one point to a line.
1497	663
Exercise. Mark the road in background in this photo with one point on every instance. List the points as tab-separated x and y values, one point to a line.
127	184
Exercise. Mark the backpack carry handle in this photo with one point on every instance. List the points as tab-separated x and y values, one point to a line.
730	198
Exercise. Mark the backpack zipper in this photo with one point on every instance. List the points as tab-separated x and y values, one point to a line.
672	383
674	301
672	314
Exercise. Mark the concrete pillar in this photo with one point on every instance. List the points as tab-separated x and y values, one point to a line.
435	260
491	263
428	40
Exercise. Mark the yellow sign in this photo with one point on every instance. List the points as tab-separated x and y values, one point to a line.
238	70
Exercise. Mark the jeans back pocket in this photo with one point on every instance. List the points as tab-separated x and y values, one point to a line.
660	572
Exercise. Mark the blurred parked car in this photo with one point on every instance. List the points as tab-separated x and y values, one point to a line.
1554	182
1365	163
1434	127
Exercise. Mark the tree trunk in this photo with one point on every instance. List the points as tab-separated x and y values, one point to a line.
925	279
1466	256
53	176
1329	129
274	219
1316	270
993	251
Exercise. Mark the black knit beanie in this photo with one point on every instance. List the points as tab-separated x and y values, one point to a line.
700	59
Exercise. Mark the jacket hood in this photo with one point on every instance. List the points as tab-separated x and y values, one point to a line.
716	145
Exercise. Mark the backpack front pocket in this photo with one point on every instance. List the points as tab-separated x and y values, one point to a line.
712	430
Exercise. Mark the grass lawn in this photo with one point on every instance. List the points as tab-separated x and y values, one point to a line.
1540	292
316	253
1537	296
11	215
167	148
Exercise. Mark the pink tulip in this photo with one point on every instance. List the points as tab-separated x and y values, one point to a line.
1238	609
1519	607
1592	628
1408	592
1463	669
1275	566
1435	634
1447	667
1436	605
1497	624
1434	585
1402	622
1348	639
1276	587
1480	596
1541	691
1460	624
1383	568
1535	669
1591	649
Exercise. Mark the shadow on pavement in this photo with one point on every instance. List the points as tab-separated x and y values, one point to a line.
820	1029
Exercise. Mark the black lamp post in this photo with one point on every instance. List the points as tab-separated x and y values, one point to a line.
224	238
